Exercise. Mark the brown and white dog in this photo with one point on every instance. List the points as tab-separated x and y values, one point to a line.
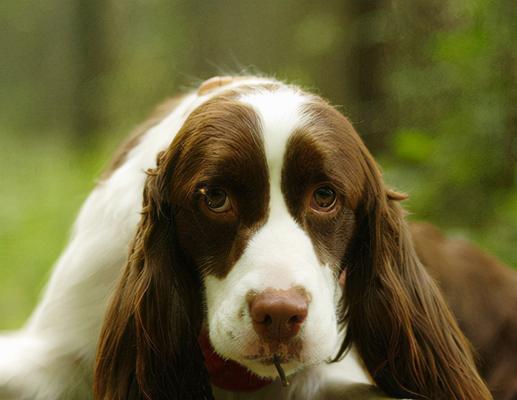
257	197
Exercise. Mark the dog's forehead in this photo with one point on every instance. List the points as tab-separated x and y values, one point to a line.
280	109
280	113
223	121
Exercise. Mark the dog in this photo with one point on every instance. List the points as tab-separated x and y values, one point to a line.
247	229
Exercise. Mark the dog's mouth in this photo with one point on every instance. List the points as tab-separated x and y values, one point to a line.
282	356
266	352
277	360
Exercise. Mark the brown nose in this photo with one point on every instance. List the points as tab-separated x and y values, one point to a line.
278	314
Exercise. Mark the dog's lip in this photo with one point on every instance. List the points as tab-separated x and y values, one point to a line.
263	352
268	360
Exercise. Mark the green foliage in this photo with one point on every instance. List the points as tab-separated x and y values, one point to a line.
412	146
455	82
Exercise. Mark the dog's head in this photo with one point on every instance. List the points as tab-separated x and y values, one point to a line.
264	198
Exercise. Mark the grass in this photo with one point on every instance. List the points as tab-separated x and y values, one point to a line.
44	180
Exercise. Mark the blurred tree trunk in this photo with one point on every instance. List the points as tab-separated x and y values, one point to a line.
93	60
508	62
368	53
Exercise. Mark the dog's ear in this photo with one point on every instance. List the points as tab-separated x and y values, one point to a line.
148	345
394	313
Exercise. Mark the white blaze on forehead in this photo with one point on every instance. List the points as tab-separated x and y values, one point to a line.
280	115
277	244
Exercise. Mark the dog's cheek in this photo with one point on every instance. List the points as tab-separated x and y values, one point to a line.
216	315
225	316
321	336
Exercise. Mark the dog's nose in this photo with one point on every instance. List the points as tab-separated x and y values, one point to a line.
278	314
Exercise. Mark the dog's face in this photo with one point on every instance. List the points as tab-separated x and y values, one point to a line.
264	198
264	204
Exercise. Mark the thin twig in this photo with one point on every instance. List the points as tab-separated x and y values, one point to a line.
281	373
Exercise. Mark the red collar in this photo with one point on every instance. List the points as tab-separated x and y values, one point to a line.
227	374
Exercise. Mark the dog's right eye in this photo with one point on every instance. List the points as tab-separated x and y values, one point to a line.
217	200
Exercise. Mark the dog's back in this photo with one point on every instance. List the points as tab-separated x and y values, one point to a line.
482	293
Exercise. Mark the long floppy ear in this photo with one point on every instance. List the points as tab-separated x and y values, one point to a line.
148	346
394	313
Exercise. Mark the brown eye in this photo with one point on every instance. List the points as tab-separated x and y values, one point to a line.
323	199
216	200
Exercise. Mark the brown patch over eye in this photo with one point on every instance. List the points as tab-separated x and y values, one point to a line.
218	203
322	181
323	199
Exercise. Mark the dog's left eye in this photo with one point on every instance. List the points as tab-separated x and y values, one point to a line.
217	200
323	199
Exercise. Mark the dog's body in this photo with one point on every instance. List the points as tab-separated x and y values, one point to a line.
482	293
278	247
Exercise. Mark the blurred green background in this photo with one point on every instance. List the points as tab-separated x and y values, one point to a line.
430	85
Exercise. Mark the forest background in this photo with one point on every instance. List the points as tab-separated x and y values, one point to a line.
431	85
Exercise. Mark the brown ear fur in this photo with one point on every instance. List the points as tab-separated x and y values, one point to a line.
395	315
148	345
